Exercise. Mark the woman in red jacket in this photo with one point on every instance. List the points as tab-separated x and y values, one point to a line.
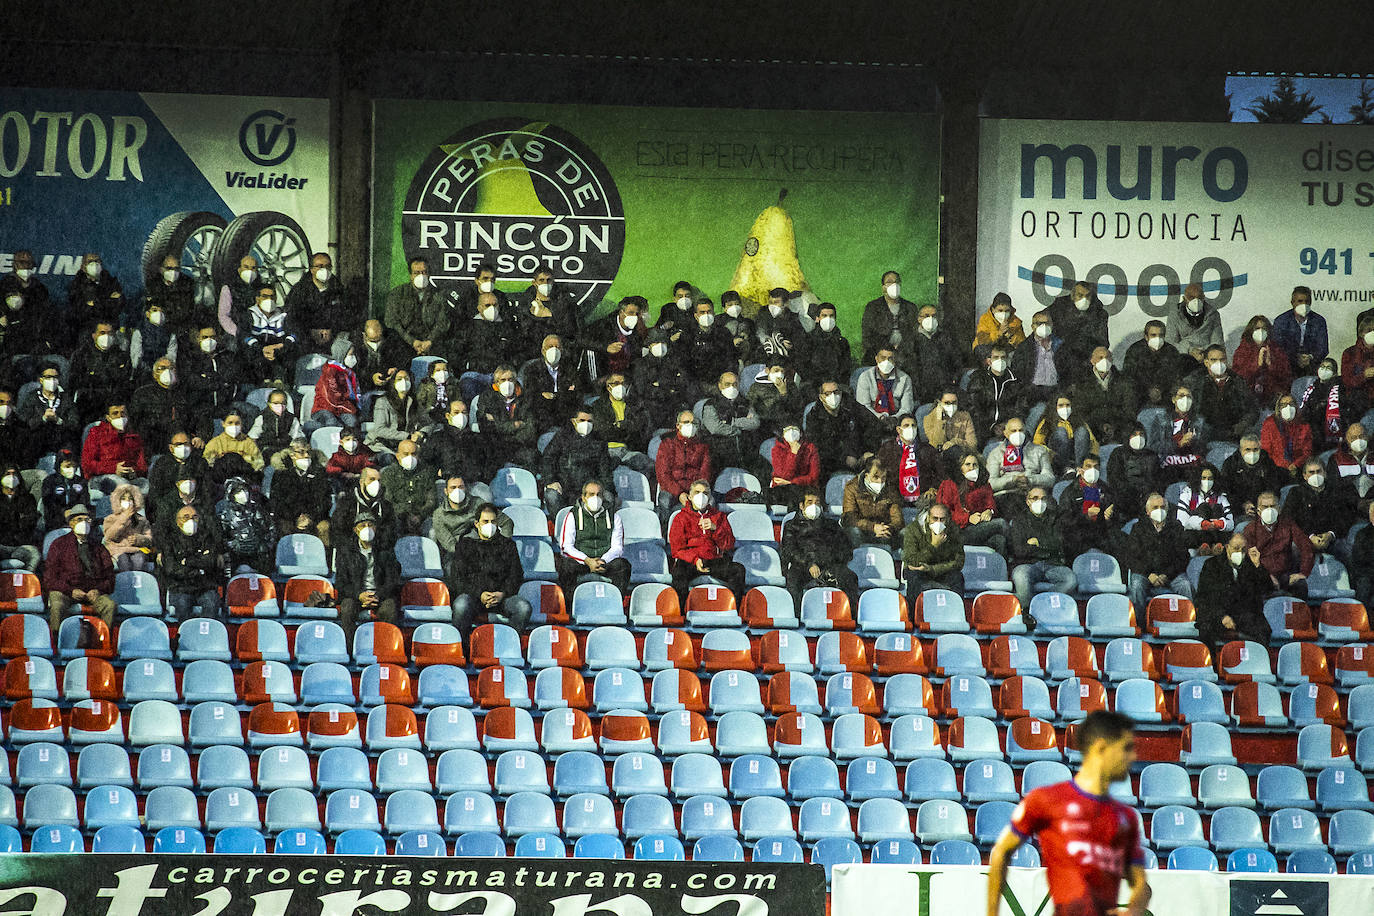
796	465
1286	436
1262	364
973	508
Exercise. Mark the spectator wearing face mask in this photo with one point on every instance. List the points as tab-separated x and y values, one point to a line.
779	331
171	289
731	424
454	450
416	312
1231	590
1104	399
706	347
186	492
28	305
573	457
1362	562
483	574
1155	555
1357	365
995	394
618	340
998	325
50	414
178	461
1065	435
63	490
815	552
250	538
349	461
78	573
1247	473
1322	510
972	506
100	373
872	510
886	319
591	541
1037	550
1325	407
367	577
1223	399
675	316
336	392
18	520
396	417
1087	511
545	307
932	554
775	396
743	332
301	495
1286	436
159	408
380	356
930	356
1301	333
1194	324
682	458
885	391
508	423
438	389
210	375
270	341
949	430
1351	469
552	384
701	544
238	295
658	381
1154	366
796	466
94	295
151	340
1133	469
1261	362
825	353
190	564
127	533
1205	512
620	422
112	449
1081	320
488	338
1285	550
456	516
912	464
232	453
274	429
321	306
367	497
1015	465
1040	360
409	487
1178	435
837	425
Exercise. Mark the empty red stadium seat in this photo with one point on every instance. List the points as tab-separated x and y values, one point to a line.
429	646
275	719
332	723
1326	703
679	650
557	644
32	715
95	640
100	680
388	643
247	645
1168	609
1008	696
581	727
16	677
17	584
1313	664
400	721
1000	652
244	593
491	687
791	730
624	725
954	734
707	599
482	649
573	688
863	696
666	608
260	683
755	611
1349	615
1354	661
14	638
95	721
1092	696
1184	654
552	604
393	686
1233	656
852	653
902	655
1297	617
780	694
919	611
837	610
1245	707
994	610
1032	734
425	593
726	659
300	588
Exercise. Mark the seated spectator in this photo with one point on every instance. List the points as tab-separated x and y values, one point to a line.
455	518
1038	361
367	577
409	487
814	552
1261	362
949	430
508	423
320	305
1222	398
269	343
701	544
1179	436
1247	473
1105	399
731	424
911	464
1015	466
796	467
14	444
1301	333
396	417
94	294
437	390
417	314
660	384
1357	367
349	460
151	340
998	326
210	376
676	316
100	373
1194	324
337	395
301	495
1081	320
551	384
836	424
483	575
1287	437
886	319
1320	509
995	394
621	423
380	356
591	540
245	524
826	353
775	397
232	453
618	340
179	461
1088	515
743	331
112	449
930	357
365	497
545	307
18	520
159	408
454	450
972	507
63	490
1285	550
78	573
682	459
1326	408
127	532
1155	555
1362	562
1037	551
1066	436
50	415
1352	467
706	348
1154	367
778	331
573	457
275	429
1231	591
885	391
1204	512
872	509
186	492
190	563
488	337
932	554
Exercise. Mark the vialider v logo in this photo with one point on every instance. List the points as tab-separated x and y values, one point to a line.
267	137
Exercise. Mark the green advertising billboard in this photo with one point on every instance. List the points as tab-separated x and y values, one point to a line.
627	201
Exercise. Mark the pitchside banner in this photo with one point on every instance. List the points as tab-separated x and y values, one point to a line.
627	201
223	885
918	890
1139	210
137	176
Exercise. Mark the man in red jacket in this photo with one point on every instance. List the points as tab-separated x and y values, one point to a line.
701	543
681	459
1277	539
110	448
79	571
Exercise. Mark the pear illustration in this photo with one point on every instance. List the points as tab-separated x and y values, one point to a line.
503	185
769	259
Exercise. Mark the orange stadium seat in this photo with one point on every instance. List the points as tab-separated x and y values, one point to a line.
993	612
899	653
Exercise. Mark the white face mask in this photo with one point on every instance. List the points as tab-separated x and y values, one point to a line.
929	324
937	527
1194	306
155	317
908	433
1137	442
1154	343
1082	304
1064	412
186	487
544	289
322	274
687	430
774	310
267	305
1103	366
420	281
4	411
998	365
1206	484
1090	476
506	388
241	497
1043	331
1184	404
1260	335
552	355
457	495
232	430
583	427
372	488
170	276
103	341
684	302
49	384
971	475
277	408
458	420
489	313
777	377
1237	557
302	464
733	310
1159	515
93	270
875	486
126	504
1287	412
729	392
68	471
188	527
706	319
440	376
366	534
1218	368
1302	309
594	503
1251	457
893	290
617	392
24	273
1269	515
659	350
949	409
208	345
487	530
700	501
486	286
1037	506
348	445
811	511
181	452
1369	338
10	481
886	366
402	385
248	275
350	360
408	462
1017	439
629	322
827	324
1316	481
14	301
1325	374
832	401
81	528
1358	445
791	434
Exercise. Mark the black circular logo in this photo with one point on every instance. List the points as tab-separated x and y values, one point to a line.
267	137
520	195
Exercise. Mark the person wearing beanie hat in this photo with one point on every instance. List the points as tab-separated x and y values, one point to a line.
79	572
367	575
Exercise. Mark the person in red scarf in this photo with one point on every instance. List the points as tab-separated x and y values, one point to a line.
1325	406
973	508
1204	512
1088	515
884	390
911	463
796	466
1286	436
1357	366
1261	362
1179	436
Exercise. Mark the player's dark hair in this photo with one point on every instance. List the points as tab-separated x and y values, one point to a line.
1101	725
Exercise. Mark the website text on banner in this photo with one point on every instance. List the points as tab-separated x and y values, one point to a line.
1139	210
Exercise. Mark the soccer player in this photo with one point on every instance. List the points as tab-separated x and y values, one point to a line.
1087	838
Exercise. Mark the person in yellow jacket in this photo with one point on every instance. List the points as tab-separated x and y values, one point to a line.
1065	435
234	441
998	324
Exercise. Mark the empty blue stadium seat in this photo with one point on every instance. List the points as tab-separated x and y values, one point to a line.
1255	861
291	808
1206	743
1293	828
179	840
240	841
50	804
955	852
57	838
989	780
1350	831
1056	614
881	819
1221	785
1235	828
300	842
104	764
874	567
1098	573
598	846
301	555
203	638
1165	784
647	815
410	810
707	815
171	806
1315	747
938	820
1192	858
985	570
762	816
1175	825
136	593
361	841
660	849
42	763
1310	862
990	819
832	851
871	777
347	809
111	806
915	736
